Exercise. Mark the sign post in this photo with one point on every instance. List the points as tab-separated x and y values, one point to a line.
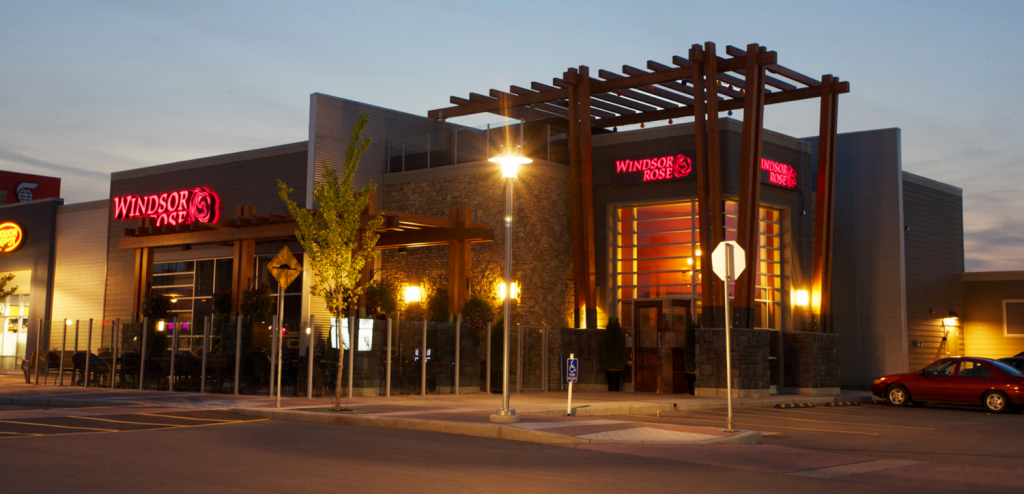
572	375
285	268
728	262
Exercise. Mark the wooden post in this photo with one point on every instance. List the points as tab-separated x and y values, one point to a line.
576	200
821	302
587	196
244	257
143	278
715	204
459	261
750	186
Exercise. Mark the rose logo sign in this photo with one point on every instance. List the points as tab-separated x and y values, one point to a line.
10	236
199	205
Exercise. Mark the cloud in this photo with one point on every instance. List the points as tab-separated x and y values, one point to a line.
13	157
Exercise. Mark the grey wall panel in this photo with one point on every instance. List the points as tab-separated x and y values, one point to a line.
868	307
331	128
248	178
934	244
81	265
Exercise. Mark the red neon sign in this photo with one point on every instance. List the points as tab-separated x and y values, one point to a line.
778	173
10	236
199	205
654	169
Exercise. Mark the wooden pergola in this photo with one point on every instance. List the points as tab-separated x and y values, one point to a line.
699	86
246	228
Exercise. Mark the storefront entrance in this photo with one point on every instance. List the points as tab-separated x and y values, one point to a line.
660	332
14	336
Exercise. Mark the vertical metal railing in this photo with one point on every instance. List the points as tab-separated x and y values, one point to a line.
142	353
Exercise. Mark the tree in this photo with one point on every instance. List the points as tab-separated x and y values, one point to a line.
4	291
337	244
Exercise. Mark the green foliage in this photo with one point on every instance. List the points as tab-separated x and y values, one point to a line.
4	291
256	303
222	302
690	350
336	243
382	296
437	305
613	351
476	313
498	344
155	305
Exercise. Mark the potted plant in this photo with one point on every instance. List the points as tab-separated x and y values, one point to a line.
613	353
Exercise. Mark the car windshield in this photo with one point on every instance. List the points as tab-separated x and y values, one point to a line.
944	368
1005	368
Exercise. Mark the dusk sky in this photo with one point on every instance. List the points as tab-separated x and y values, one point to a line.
90	88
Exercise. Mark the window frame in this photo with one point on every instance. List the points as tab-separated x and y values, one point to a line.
1006	332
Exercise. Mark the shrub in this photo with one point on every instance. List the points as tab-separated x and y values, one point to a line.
476	313
382	297
613	351
437	305
256	303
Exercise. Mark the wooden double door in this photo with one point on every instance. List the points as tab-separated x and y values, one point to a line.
658	359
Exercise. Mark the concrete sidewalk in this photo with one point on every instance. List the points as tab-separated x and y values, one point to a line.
544	413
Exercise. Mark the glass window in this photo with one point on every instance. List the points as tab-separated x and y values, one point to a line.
973	369
944	368
1013	317
204	278
174	267
1013	371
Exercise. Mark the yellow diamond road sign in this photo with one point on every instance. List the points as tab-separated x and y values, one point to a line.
284	267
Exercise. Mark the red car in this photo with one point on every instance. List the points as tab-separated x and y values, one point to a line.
961	380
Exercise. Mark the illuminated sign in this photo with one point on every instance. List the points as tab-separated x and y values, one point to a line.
10	236
775	173
628	172
199	205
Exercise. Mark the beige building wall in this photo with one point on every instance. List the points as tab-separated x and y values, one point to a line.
983	313
80	271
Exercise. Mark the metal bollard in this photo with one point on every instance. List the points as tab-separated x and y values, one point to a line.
202	373
310	355
39	356
458	327
238	350
351	350
113	345
488	358
174	354
64	349
88	354
142	354
387	372
77	322
423	362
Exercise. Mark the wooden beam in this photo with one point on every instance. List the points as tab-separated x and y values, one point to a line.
716	205
587	205
750	187
610	86
611	98
143	280
575	200
432	236
704	204
821	289
595	104
242	270
519	113
776	68
471	108
733	104
226	235
559	110
652	90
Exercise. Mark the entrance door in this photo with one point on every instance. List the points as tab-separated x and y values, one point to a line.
647	327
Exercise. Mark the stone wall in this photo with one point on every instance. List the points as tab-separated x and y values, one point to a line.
541	250
586	345
811	361
750	371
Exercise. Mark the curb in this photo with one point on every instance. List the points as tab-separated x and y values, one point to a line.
843	404
493	431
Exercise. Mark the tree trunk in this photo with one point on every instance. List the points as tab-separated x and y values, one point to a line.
341	364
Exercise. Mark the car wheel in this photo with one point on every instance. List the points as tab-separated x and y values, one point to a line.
996	402
898	395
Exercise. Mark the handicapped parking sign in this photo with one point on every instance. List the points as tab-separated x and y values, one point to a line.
573	373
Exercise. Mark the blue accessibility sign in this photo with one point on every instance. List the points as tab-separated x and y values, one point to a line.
573	374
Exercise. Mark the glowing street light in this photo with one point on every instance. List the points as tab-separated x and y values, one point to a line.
510	158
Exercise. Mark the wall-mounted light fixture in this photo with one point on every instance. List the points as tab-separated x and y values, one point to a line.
160	325
413	294
801	298
516	292
952	321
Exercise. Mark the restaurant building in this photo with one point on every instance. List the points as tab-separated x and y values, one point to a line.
607	223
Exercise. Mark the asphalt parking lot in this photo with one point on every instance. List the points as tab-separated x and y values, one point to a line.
126	422
934	433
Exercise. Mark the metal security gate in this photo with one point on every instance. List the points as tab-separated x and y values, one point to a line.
532	358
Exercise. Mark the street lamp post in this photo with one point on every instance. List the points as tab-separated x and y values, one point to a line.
509	160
